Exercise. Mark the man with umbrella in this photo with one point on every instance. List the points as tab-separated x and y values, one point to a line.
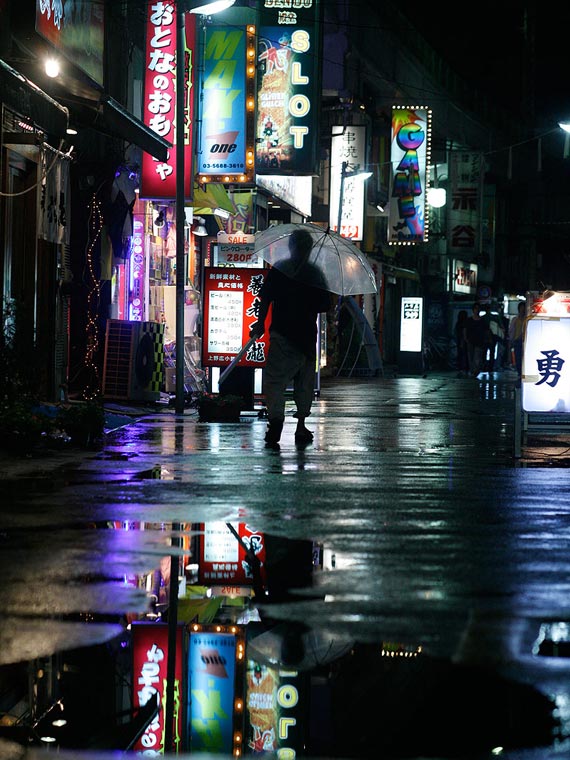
293	331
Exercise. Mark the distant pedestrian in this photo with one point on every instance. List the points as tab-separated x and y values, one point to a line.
516	335
479	339
462	361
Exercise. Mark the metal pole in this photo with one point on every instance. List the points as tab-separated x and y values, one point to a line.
169	732
341	195
180	218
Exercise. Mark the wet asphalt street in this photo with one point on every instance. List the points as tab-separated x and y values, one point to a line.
442	538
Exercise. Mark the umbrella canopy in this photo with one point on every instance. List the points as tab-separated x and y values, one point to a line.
343	266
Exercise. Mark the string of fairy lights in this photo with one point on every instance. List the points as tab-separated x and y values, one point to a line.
95	220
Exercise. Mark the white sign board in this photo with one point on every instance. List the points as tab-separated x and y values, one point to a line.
225	320
348	145
411	319
237	255
546	365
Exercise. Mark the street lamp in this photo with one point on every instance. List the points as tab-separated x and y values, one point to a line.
346	174
201	7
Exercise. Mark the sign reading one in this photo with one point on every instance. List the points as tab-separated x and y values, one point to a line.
223	131
158	178
410	152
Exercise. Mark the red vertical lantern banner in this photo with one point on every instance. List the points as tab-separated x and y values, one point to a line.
158	178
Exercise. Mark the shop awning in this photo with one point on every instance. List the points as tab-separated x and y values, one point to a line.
210	196
23	96
116	121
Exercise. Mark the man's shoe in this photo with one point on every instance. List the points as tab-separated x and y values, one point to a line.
273	433
303	436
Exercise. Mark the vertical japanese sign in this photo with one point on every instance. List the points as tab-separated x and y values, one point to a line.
546	365
411	324
158	178
222	556
288	91
348	145
222	142
231	306
211	669
464	204
410	156
150	657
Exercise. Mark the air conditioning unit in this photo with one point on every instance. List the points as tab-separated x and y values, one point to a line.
133	368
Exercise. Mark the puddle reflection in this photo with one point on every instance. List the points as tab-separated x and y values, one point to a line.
252	614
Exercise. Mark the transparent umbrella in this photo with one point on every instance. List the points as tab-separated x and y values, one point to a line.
333	263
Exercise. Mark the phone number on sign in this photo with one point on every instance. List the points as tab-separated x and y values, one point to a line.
222	166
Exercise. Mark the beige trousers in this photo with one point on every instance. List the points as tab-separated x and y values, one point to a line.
285	363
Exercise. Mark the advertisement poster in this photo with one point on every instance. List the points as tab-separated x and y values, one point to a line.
158	178
288	63
231	306
223	559
150	656
222	140
211	669
410	148
274	706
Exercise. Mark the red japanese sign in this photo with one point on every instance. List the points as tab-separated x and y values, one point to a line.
158	178
231	306
150	657
223	557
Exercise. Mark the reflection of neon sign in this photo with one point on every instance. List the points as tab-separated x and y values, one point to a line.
150	652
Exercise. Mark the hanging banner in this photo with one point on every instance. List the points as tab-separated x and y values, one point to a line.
288	94
150	660
348	146
231	306
53	210
410	156
222	142
464	209
211	671
158	178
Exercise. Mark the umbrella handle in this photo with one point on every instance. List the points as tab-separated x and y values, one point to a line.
235	360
